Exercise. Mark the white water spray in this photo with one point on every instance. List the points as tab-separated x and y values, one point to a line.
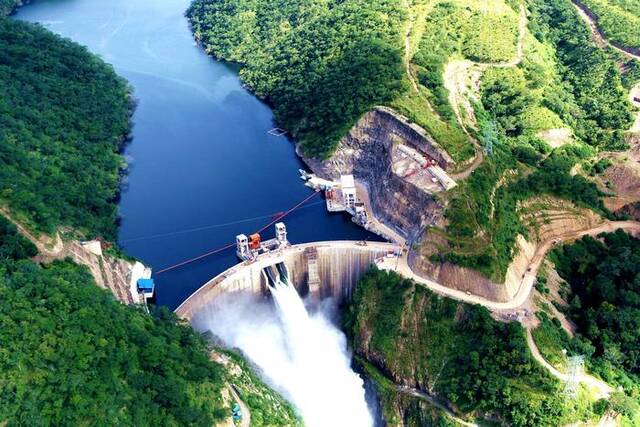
303	356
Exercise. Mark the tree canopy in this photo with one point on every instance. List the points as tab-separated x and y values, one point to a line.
64	114
455	351
71	354
320	64
604	276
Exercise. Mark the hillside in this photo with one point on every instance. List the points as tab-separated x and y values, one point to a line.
518	94
595	314
455	354
618	19
320	64
65	116
76	354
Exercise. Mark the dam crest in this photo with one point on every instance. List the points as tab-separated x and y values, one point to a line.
317	269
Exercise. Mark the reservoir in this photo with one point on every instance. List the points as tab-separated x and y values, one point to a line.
202	165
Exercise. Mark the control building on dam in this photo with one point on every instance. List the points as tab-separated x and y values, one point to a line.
318	269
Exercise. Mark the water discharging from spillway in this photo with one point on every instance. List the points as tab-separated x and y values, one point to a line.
303	355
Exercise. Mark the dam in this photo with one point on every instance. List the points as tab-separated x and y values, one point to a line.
317	269
258	307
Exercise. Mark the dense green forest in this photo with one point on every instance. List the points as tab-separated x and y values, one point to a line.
591	77
63	117
618	19
7	6
604	279
71	354
320	64
456	352
603	294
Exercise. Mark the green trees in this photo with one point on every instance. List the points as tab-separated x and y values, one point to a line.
320	64
7	6
602	111
71	354
618	19
12	246
605	304
63	117
456	351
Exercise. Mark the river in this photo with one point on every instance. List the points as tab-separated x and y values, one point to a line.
202	167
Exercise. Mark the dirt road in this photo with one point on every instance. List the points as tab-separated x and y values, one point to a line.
524	290
457	81
421	395
602	389
245	421
597	33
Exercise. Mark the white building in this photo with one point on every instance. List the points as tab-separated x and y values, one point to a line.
348	187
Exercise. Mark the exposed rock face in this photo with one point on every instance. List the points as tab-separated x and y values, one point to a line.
632	210
458	277
366	153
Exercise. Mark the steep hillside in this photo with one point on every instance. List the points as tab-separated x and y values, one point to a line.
320	64
76	354
455	354
565	82
64	118
618	19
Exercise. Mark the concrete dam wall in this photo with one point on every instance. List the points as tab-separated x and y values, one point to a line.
320	269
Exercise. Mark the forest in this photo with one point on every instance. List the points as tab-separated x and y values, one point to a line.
321	65
64	115
618	19
454	351
604	300
71	354
7	6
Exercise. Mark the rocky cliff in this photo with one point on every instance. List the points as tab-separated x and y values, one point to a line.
365	152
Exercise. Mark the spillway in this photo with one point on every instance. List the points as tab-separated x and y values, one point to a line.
301	354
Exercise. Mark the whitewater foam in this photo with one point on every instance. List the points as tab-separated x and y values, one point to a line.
302	355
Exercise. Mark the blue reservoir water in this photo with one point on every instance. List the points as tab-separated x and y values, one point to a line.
202	166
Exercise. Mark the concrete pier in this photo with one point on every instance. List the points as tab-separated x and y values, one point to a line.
319	269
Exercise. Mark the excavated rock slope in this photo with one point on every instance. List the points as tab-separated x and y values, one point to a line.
366	153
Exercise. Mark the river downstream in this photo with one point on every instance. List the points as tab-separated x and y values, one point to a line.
202	167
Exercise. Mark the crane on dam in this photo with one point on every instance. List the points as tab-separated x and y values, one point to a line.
250	248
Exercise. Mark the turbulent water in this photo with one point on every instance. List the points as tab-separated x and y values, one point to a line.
303	355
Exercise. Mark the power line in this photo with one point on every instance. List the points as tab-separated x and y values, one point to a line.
208	227
230	245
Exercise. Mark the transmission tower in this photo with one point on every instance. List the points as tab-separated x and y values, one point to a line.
489	135
575	369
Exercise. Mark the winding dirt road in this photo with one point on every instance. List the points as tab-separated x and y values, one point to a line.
598	34
457	80
422	395
602	42
602	389
524	289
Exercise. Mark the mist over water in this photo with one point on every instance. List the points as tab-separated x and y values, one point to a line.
304	356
